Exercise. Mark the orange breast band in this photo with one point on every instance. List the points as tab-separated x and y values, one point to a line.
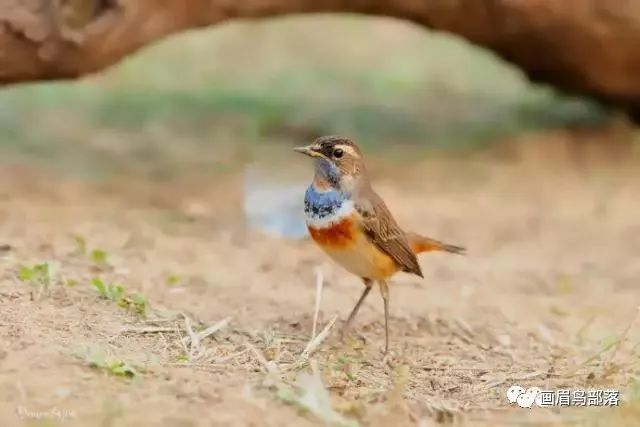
338	235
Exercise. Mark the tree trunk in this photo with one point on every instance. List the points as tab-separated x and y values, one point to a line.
590	47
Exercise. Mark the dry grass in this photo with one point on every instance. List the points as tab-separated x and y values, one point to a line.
546	297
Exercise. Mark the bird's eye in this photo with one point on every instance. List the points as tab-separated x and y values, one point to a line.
337	153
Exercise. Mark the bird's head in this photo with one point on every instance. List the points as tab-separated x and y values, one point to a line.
338	162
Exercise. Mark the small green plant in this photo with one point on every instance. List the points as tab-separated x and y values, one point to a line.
173	279
81	244
136	303
40	276
116	293
110	291
346	366
119	368
99	256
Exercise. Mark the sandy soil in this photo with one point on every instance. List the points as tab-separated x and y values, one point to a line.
546	297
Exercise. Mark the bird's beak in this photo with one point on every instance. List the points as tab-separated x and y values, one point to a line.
310	150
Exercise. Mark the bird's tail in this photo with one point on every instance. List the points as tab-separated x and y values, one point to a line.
421	244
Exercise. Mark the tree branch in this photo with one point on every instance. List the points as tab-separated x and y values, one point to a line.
583	46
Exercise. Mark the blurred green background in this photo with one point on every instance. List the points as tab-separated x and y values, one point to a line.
245	86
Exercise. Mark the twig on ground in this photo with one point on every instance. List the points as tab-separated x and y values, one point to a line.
498	381
216	363
270	367
622	337
462	324
316	340
319	286
148	330
231	356
193	337
495	383
210	330
159	320
614	346
315	343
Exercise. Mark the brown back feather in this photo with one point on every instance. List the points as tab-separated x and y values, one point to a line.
383	231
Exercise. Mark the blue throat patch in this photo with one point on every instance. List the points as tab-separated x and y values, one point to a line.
322	204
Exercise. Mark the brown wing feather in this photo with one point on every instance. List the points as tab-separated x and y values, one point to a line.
383	231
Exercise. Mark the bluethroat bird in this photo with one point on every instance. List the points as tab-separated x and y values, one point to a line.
352	224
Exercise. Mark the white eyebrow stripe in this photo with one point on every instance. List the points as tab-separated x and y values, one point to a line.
346	148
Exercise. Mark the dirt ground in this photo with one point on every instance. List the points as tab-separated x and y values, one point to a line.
547	297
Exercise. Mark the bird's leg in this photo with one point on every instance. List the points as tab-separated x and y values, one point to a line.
367	287
384	291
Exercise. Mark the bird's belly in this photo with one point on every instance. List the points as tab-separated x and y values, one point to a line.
346	244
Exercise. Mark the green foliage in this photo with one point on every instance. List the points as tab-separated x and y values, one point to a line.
432	91
115	292
97	359
99	256
81	244
38	275
136	303
110	291
173	279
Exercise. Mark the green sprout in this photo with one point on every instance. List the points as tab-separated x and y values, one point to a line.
119	368
110	291
99	256
40	276
116	293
